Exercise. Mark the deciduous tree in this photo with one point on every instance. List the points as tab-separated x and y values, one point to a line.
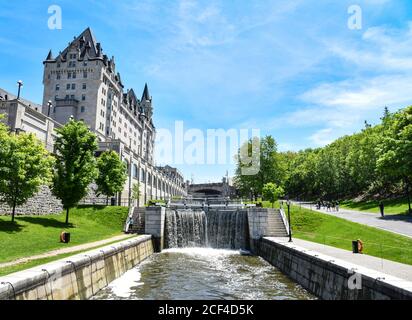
25	166
112	174
75	166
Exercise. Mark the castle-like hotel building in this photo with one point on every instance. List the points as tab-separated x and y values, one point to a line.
82	82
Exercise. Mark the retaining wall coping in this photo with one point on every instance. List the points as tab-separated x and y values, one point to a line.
343	267
31	278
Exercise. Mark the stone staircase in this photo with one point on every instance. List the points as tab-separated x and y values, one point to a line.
276	227
138	217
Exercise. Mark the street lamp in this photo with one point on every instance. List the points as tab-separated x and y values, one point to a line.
290	229
20	84
50	105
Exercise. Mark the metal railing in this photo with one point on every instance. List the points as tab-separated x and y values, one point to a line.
284	219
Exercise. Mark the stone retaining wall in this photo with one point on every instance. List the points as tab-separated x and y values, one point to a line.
77	277
43	203
329	278
154	225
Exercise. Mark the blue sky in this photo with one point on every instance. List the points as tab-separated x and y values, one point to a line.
292	69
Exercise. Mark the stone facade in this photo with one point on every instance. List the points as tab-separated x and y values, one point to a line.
43	203
82	82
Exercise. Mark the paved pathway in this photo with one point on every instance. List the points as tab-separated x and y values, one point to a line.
400	224
399	270
56	252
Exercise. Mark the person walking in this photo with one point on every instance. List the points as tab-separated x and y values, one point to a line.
382	209
337	206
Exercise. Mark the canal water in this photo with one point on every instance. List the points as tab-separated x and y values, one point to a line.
203	274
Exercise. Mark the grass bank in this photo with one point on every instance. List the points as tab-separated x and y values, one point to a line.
393	206
337	232
34	263
32	235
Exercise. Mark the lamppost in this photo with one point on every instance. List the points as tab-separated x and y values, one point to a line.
20	84
290	229
50	105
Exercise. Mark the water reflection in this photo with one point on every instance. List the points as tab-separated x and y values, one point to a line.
202	274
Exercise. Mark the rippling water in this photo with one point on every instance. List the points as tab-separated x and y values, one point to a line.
202	274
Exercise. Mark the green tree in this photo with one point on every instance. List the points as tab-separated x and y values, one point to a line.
112	174
272	192
75	166
263	152
396	150
25	166
136	192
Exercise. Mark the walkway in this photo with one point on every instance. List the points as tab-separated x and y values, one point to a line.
81	247
400	224
399	270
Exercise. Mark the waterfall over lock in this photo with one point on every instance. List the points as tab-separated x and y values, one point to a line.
223	229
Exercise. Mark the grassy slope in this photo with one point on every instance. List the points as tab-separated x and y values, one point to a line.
397	206
31	235
33	263
337	232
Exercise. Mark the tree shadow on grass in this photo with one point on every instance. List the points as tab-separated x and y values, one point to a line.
10	227
47	222
91	206
398	217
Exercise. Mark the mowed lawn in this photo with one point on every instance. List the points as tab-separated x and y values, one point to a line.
337	232
31	235
394	206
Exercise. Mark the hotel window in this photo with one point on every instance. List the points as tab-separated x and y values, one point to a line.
73	86
85	74
58	76
85	63
82	109
58	65
74	75
84	86
68	86
69	75
57	87
135	172
83	97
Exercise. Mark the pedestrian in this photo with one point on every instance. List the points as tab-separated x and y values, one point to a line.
337	206
382	209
